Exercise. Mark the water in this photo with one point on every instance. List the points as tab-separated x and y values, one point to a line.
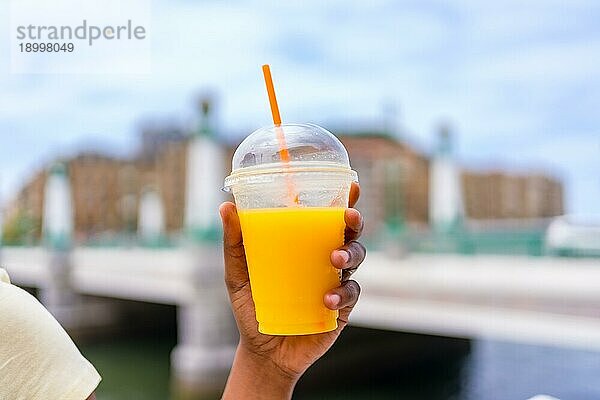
139	369
132	369
508	371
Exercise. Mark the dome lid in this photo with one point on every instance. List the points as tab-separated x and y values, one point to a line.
309	148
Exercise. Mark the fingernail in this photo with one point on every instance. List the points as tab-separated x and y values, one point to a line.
335	299
345	256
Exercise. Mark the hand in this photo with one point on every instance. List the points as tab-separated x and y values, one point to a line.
266	365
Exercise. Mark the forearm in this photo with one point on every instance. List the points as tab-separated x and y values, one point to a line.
255	377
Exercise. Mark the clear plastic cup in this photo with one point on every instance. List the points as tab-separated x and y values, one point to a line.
292	218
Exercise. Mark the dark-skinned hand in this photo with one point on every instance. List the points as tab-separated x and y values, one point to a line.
284	358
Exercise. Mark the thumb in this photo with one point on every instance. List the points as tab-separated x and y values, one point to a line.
236	270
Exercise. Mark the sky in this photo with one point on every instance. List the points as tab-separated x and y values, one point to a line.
518	82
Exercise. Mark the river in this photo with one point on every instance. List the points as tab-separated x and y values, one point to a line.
139	369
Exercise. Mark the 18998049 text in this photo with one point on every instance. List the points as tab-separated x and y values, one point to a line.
35	47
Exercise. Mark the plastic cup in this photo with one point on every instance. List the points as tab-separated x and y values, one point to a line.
292	218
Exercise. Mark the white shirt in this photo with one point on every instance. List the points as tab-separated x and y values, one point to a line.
38	359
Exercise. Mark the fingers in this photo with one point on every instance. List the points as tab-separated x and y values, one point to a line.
354	194
236	272
354	224
345	295
232	232
349	256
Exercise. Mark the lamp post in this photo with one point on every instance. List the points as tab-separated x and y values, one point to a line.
151	219
445	199
205	174
57	222
206	334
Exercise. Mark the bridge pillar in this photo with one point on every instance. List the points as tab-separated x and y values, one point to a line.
56	293
78	315
57	228
207	336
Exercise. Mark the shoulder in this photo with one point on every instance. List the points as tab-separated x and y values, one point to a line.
39	360
18	308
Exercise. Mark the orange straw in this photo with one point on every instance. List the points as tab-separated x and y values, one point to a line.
285	155
283	150
271	93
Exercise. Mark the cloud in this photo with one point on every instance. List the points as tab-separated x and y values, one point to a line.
518	80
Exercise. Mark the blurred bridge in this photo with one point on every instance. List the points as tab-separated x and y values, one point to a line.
541	300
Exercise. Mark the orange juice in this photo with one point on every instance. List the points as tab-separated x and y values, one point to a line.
288	253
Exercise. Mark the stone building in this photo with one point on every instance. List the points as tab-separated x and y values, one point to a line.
23	216
393	179
394	187
498	195
106	191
